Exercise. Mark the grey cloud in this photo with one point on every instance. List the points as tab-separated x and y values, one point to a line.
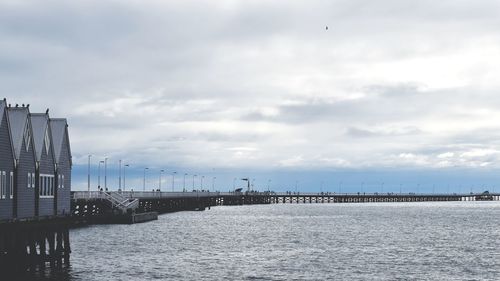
186	81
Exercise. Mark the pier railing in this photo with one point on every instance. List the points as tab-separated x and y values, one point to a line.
189	194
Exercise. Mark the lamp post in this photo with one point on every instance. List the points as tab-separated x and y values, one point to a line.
184	183
88	176
201	181
120	174
99	175
213	184
159	181
193	180
124	175
106	173
144	180
269	183
173	180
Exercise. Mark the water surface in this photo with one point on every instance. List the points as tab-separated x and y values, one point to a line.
370	241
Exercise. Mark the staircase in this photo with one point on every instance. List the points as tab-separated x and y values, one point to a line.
121	203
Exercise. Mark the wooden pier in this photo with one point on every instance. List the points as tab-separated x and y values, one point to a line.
91	206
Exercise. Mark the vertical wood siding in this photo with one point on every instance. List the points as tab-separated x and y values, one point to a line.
7	165
46	205
64	168
25	195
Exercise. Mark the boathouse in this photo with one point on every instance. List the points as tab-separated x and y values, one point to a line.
6	166
45	165
35	164
24	159
62	154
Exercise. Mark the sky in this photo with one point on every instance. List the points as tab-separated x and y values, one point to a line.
395	94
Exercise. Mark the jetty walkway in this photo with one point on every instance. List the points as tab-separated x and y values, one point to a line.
132	206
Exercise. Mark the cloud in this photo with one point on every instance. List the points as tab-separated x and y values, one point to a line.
262	84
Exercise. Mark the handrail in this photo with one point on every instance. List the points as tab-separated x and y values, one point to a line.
124	196
116	199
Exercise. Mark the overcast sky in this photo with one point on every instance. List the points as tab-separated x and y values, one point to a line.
263	85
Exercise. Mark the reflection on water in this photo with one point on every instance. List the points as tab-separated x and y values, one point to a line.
391	241
48	274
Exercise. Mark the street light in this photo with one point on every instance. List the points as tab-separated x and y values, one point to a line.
120	175
269	183
99	175
248	183
184	183
173	180
159	181
106	173
144	180
213	183
88	176
124	175
201	181
193	180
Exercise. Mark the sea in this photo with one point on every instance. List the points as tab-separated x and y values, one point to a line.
358	241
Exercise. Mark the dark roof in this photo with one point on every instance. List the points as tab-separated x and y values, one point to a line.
39	123
59	129
3	105
18	118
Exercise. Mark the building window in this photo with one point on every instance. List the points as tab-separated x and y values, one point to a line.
46	186
60	181
3	185
31	180
11	182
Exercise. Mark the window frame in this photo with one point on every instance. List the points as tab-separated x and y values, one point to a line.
3	185
46	186
11	185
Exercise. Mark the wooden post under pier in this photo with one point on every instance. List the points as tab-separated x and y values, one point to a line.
23	245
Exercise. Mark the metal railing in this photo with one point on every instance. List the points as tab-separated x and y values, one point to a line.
116	199
121	196
155	194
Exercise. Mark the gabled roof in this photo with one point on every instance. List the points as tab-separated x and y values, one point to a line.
3	105
39	123
18	117
59	129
